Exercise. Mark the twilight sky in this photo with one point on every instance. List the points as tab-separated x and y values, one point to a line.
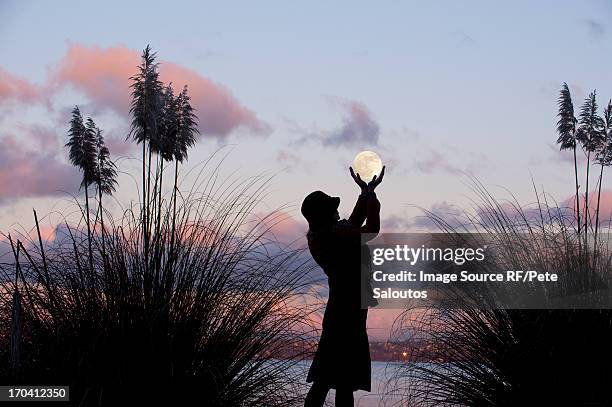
437	88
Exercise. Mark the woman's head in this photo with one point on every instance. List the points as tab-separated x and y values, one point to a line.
320	209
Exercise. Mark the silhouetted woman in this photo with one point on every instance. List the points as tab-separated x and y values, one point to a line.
342	360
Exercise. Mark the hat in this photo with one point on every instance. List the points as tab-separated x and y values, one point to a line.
318	206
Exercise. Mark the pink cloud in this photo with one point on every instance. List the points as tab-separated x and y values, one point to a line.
605	206
102	74
32	173
29	166
381	322
47	233
282	227
219	113
17	89
118	145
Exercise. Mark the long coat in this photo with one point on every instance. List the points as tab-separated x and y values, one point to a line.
343	355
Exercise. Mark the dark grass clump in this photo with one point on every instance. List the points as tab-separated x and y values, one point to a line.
210	313
488	356
185	296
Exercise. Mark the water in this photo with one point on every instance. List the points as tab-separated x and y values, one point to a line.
380	395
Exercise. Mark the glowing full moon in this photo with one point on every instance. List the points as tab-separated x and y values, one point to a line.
367	164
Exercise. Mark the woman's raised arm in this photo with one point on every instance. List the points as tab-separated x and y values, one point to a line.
367	207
